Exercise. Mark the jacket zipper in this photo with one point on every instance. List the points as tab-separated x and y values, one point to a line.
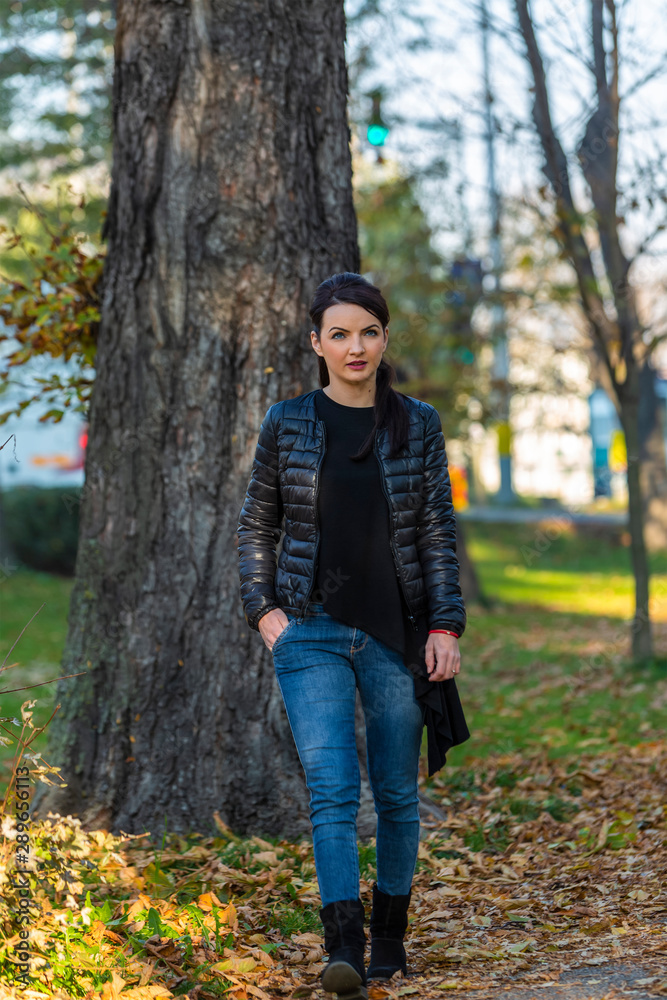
391	536
317	523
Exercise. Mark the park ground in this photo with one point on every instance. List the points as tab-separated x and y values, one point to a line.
542	870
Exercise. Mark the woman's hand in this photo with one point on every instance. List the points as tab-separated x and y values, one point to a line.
443	657
271	625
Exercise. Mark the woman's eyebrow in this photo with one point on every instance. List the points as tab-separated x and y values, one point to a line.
369	327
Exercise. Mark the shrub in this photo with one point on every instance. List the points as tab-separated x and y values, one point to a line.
42	526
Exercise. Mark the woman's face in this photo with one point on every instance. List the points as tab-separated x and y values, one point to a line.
350	333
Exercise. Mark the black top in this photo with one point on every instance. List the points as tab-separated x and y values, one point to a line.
356	578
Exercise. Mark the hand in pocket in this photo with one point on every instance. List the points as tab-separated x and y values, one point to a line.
272	625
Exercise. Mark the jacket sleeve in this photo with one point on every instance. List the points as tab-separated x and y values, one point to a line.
259	527
436	534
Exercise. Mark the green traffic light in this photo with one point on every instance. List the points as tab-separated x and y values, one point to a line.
376	134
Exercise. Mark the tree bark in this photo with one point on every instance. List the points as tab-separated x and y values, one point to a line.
230	201
653	464
641	635
470	585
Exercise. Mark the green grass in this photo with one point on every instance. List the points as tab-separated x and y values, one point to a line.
294	920
525	564
38	652
546	665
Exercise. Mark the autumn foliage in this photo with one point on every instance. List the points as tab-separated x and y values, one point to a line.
55	313
534	865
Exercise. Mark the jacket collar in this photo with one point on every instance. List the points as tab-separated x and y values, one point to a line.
303	407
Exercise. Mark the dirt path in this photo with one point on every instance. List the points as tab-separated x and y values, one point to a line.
640	980
637	980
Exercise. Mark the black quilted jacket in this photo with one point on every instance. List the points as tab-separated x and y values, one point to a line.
284	484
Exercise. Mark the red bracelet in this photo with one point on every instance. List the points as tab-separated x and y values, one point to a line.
445	630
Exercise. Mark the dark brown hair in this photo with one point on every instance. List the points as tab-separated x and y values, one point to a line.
389	409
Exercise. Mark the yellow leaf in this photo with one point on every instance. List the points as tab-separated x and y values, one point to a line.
96	932
235	965
208	900
602	835
146	993
84	958
228	915
267	857
262	843
255	991
307	938
111	991
142	969
517	946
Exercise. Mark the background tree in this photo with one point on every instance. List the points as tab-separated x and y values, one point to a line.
55	144
55	92
606	290
231	199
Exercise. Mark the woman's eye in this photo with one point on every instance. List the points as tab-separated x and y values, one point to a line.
374	333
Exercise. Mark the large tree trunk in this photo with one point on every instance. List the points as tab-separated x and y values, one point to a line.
231	200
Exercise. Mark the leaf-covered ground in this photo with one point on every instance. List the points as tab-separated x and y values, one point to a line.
543	864
536	866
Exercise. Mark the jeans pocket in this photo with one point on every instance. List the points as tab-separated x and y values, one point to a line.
283	633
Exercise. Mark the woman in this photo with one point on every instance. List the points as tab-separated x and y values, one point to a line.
365	595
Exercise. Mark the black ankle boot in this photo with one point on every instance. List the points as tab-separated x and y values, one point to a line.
389	920
344	940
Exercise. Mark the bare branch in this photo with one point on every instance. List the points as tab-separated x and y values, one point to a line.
650	74
598	156
557	173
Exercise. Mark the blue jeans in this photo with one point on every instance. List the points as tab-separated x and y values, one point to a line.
319	662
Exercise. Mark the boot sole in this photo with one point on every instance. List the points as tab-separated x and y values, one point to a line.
343	979
384	976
